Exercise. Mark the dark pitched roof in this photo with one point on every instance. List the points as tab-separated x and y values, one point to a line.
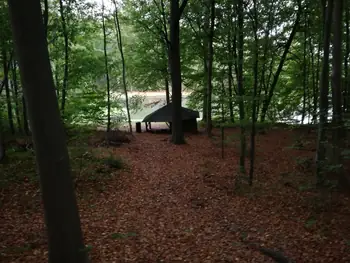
164	114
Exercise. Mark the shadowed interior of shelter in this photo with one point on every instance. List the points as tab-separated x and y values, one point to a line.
164	114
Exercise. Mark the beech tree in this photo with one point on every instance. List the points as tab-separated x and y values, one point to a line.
324	86
177	135
61	212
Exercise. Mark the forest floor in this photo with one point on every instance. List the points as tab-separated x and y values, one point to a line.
185	203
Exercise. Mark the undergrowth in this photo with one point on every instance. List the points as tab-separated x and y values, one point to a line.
87	162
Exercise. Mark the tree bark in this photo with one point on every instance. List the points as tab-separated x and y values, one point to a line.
120	46
255	91
106	71
230	63
323	105
66	59
60	206
240	86
2	147
305	66
267	100
314	77
46	15
2	143
16	99
177	135
7	91
266	47
25	116
205	78
210	67
346	89
167	51
337	118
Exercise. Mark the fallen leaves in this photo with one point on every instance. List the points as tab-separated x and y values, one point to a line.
178	204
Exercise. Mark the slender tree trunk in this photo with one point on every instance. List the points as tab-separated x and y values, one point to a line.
205	81
318	65
106	71
167	91
66	59
167	50
57	82
15	89
60	206
346	89
210	67
223	95
177	135
255	91
324	86
337	118
120	46
230	93
2	145
25	117
267	100
240	86
314	82
7	91
262	85
205	38
305	78
46	16
230	64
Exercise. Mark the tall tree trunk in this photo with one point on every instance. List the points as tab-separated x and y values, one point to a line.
167	51
346	89
337	118
255	91
120	46
46	16
106	71
167	90
230	64
305	74
210	66
177	134
25	116
57	82
2	144
205	80
240	86
60	205
314	82
66	59
267	100
205	40
266	47
16	99
318	65
7	91
324	86
230	93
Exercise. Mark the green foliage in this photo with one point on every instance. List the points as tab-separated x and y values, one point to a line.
145	32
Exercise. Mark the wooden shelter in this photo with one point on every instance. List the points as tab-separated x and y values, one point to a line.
164	114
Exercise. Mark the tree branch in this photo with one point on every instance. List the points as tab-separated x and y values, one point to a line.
182	7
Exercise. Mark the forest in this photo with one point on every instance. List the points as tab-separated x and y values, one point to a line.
264	178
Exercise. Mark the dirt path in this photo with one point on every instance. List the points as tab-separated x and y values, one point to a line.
176	204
